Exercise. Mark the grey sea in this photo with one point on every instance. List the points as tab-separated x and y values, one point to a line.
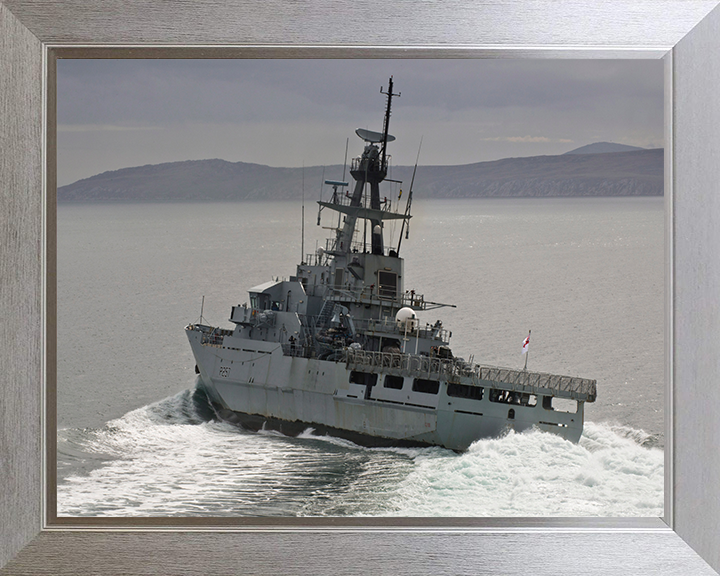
137	438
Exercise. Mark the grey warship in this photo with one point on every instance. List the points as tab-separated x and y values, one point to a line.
339	347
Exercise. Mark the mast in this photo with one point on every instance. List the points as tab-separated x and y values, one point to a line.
386	122
370	168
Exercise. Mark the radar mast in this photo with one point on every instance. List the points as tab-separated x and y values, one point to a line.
386	122
368	169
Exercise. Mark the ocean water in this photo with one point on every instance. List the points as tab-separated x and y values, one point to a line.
137	438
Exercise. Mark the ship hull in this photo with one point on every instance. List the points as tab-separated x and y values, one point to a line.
254	384
257	422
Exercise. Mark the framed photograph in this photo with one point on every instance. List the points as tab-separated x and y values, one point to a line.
408	545
156	258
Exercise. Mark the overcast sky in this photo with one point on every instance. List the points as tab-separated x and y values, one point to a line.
119	113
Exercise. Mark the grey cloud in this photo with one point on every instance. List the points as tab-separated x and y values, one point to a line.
288	112
235	90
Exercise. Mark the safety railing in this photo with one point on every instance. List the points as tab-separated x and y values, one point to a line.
210	336
391	326
457	370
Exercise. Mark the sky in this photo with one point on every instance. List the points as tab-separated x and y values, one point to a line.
114	114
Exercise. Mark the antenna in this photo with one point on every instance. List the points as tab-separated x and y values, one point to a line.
347	142
302	243
335	199
409	201
364	200
322	180
386	123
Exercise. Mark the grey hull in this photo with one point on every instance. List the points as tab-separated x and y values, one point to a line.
257	422
261	386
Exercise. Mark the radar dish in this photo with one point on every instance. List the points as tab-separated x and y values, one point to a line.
372	137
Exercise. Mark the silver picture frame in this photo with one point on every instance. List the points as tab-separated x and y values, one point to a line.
686	33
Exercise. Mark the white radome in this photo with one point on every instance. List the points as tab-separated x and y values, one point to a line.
406	318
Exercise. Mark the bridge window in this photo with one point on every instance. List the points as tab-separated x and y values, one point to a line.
464	391
426	386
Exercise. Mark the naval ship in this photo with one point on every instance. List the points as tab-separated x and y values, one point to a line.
339	347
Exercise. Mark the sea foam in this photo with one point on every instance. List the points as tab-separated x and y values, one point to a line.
171	458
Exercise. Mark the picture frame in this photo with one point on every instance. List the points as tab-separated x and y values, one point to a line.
33	541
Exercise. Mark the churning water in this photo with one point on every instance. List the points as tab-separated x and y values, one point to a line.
171	459
137	438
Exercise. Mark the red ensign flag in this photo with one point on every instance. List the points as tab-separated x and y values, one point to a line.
526	343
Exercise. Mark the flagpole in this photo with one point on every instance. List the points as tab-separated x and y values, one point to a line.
527	351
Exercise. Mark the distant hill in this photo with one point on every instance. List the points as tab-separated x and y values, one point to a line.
633	173
603	148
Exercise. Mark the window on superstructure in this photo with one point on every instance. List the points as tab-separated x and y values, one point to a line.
426	386
511	397
387	284
560	404
394	382
365	378
464	391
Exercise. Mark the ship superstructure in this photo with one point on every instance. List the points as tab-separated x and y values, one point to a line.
338	347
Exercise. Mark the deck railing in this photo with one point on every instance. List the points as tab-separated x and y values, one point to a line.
210	335
390	325
456	370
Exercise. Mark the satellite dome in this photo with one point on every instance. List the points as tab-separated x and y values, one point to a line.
406	318
320	251
377	229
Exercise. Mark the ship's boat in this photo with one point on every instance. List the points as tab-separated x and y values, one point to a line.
339	348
